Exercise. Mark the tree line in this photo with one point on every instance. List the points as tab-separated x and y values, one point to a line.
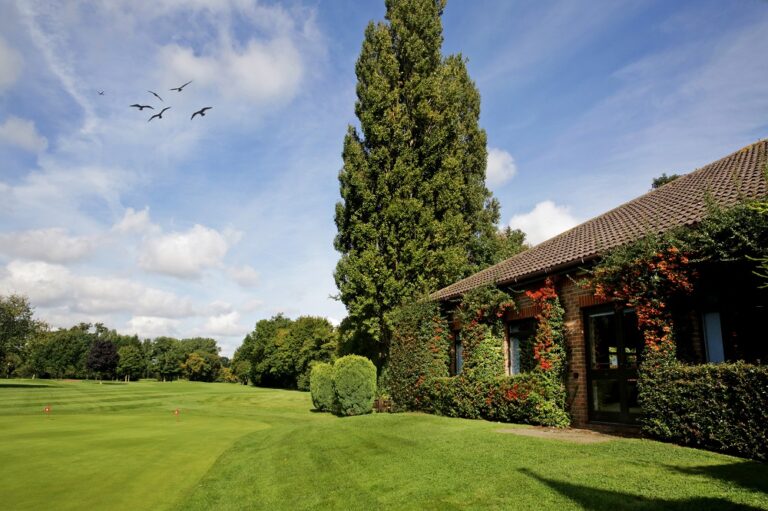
29	348
280	351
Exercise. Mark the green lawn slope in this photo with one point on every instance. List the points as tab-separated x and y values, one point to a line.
232	447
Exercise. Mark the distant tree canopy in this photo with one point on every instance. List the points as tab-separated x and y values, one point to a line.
102	358
28	348
663	179
280	351
415	214
17	328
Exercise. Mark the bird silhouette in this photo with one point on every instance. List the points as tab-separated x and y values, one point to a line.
181	86
101	92
160	115
200	112
141	107
155	94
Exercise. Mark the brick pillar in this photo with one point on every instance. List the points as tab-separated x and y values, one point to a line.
576	379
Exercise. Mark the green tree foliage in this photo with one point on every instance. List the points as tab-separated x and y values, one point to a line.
34	351
663	179
17	327
315	339
281	351
321	386
420	351
131	364
415	213
203	366
354	385
102	358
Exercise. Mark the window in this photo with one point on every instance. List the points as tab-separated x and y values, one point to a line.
519	346
713	337
459	353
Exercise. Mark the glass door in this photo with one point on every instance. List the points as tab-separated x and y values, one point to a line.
614	350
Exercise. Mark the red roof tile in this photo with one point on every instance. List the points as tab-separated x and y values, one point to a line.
683	201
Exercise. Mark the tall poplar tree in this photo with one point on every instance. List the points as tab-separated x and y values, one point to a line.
415	213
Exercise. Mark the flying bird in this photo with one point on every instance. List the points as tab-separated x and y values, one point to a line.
200	112
160	115
155	94
142	107
181	87
101	92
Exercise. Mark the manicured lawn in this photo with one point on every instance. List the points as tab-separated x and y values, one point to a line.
232	447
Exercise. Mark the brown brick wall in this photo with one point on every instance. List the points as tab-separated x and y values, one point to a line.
572	297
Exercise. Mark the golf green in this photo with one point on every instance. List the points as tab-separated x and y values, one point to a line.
121	446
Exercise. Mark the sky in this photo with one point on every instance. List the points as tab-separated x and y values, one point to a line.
202	227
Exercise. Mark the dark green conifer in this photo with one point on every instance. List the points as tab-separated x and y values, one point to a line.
415	213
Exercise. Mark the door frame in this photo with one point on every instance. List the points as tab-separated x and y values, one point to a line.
622	374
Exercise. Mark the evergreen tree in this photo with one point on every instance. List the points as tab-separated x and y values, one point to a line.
415	213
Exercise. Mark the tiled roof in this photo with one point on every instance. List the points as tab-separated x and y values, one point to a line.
680	202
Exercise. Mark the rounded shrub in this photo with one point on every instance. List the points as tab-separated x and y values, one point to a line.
321	386
354	385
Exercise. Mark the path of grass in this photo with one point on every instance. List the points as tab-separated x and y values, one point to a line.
120	447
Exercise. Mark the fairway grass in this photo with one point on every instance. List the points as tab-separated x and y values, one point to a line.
232	447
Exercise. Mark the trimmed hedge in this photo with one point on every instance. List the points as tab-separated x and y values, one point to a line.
722	407
419	350
354	385
525	398
321	386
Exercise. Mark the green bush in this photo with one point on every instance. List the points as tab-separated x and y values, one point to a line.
722	407
419	351
321	386
354	385
526	398
485	361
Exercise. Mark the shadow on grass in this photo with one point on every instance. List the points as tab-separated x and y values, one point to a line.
609	500
23	385
750	475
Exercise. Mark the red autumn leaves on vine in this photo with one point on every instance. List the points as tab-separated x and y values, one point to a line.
547	302
646	284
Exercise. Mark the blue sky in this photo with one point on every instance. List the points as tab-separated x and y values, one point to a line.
203	227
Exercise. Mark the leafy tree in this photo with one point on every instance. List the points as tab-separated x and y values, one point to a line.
102	357
203	366
663	179
17	326
314	340
280	351
415	213
269	367
131	363
241	369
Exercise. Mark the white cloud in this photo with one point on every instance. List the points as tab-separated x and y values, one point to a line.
52	245
186	254
252	305
226	325
261	72
244	275
501	167
22	133
150	326
55	285
547	219
44	284
10	65
134	221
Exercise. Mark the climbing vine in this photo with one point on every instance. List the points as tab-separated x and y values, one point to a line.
549	343
645	275
481	318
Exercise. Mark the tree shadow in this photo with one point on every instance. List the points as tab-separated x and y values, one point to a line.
596	499
24	385
750	475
